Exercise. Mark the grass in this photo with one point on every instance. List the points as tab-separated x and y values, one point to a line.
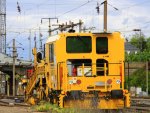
52	108
47	107
42	107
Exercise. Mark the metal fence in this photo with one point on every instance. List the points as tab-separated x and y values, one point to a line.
132	71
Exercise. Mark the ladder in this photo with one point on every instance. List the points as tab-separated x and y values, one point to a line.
31	84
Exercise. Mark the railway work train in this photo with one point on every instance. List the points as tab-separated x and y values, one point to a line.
83	70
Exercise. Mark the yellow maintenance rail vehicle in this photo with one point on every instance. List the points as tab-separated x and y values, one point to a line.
83	70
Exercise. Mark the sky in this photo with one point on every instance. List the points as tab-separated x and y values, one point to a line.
131	14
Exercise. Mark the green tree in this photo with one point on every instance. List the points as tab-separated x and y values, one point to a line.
138	78
143	44
148	44
139	41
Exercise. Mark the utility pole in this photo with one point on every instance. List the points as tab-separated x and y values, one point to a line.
147	77
63	27
3	26
141	49
140	39
35	40
14	58
105	16
29	45
105	12
80	25
40	40
49	19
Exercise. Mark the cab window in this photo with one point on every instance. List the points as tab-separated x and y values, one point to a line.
101	45
51	51
78	44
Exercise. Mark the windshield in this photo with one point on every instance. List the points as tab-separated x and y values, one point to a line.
78	44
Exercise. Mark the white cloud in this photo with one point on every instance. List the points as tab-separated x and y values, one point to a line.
128	17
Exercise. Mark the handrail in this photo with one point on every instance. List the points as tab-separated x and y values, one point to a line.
95	68
105	75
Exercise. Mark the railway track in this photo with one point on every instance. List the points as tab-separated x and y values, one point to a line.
8	102
140	108
137	104
140	104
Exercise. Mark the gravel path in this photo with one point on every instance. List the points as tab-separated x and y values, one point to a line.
5	109
14	109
